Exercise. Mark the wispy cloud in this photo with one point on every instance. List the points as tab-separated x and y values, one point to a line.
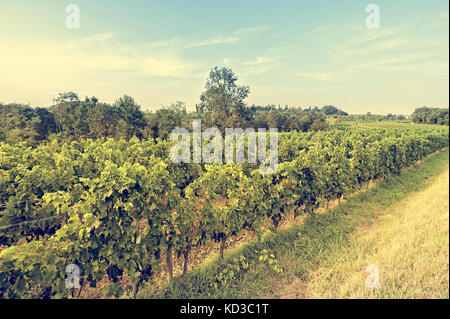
317	76
165	66
441	19
370	35
260	64
383	45
260	60
217	40
251	30
315	31
437	68
392	61
97	61
161	43
232	38
257	69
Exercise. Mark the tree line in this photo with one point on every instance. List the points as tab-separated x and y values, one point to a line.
222	104
430	115
71	118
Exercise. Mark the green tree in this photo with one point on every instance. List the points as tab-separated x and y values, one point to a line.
47	123
103	120
19	123
163	121
133	118
223	101
428	115
71	115
332	110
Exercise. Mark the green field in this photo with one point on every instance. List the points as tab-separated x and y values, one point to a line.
138	225
323	257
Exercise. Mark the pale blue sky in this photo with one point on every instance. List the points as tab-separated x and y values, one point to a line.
289	52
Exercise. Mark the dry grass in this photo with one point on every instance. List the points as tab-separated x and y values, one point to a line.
409	242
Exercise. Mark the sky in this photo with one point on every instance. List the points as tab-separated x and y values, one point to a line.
299	53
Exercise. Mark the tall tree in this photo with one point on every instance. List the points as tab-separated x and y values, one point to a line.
163	121
47	123
223	101
132	116
103	120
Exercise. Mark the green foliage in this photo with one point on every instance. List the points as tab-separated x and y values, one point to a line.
89	118
428	115
21	123
228	274
370	118
130	113
269	259
222	105
163	121
290	119
223	101
110	206
332	110
305	247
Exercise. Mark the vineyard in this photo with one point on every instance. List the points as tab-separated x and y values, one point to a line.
121	209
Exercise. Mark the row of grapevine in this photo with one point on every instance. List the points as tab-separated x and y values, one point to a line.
111	207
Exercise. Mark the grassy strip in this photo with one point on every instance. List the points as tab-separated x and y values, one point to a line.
409	244
299	249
